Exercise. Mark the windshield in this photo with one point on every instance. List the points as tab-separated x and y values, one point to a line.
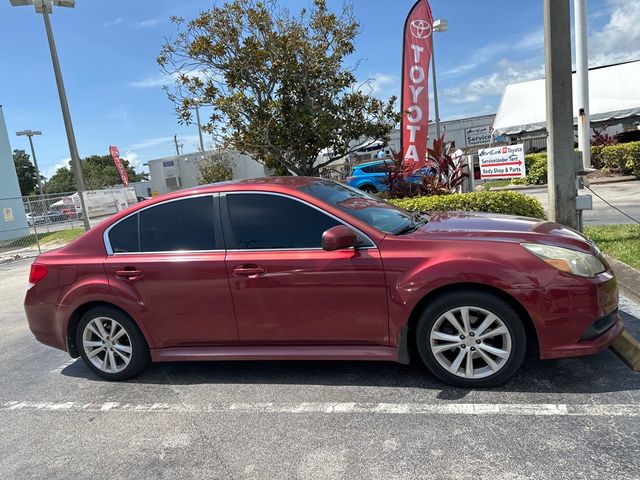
368	208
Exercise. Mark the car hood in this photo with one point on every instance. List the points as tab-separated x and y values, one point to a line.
490	226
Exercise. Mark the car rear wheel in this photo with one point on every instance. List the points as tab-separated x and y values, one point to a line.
111	344
471	338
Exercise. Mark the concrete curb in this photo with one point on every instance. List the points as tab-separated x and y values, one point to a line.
628	349
626	346
595	181
628	278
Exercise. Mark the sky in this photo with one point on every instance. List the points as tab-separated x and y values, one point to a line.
107	52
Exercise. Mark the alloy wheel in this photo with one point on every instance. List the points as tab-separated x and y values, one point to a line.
107	345
470	342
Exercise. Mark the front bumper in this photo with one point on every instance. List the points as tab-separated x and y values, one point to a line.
575	316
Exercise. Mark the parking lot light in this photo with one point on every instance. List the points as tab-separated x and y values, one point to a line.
45	7
30	134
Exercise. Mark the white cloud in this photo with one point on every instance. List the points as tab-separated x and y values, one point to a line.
531	41
162	79
383	85
494	83
150	22
112	23
619	40
48	172
153	81
135	161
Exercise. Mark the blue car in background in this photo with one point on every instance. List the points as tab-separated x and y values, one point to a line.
370	177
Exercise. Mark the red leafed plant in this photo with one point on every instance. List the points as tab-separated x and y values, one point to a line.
601	138
441	175
444	174
397	182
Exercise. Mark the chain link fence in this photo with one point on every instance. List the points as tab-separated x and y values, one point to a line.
39	223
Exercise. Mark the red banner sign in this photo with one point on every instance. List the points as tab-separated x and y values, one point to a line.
115	154
418	31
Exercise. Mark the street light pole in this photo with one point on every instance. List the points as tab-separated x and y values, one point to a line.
30	134
43	6
71	138
582	74
438	26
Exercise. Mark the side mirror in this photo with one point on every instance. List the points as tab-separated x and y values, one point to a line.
338	238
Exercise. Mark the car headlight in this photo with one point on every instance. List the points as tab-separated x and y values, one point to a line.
569	261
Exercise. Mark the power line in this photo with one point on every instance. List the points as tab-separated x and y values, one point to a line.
615	208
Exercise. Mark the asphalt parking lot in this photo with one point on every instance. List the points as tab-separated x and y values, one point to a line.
576	418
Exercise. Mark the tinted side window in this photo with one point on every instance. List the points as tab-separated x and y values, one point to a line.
180	225
270	221
379	168
124	236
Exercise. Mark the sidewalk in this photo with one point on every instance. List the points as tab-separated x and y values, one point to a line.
625	196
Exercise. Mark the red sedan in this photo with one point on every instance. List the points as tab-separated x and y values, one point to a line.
305	268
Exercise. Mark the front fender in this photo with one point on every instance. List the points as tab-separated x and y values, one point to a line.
410	288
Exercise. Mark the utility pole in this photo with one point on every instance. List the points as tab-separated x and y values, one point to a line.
582	74
175	140
199	128
440	25
561	155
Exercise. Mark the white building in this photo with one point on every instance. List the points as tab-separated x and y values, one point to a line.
175	173
13	219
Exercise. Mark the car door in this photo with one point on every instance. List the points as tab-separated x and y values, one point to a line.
286	289
168	262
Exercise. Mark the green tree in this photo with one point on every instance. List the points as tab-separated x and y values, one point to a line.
99	171
27	177
215	167
61	182
278	82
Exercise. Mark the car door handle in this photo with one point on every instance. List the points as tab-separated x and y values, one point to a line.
129	273
250	271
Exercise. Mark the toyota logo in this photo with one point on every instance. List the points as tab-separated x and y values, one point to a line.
421	29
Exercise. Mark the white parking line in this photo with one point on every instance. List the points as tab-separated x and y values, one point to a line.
64	365
515	409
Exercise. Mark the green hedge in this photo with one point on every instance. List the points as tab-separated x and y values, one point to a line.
508	202
623	159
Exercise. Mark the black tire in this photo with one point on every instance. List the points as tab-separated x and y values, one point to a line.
486	301
369	189
139	357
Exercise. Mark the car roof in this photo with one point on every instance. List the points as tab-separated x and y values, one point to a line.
376	162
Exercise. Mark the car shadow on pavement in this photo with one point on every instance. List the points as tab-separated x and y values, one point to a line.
599	373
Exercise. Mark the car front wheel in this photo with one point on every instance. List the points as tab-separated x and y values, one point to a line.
111	344
471	338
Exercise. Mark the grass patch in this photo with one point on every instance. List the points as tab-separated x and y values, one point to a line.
60	237
619	241
496	183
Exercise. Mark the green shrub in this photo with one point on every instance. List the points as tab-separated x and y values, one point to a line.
508	202
536	164
623	158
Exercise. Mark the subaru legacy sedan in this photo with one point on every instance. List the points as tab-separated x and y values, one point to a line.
303	268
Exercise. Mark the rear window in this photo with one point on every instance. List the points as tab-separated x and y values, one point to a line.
377	168
124	236
179	225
